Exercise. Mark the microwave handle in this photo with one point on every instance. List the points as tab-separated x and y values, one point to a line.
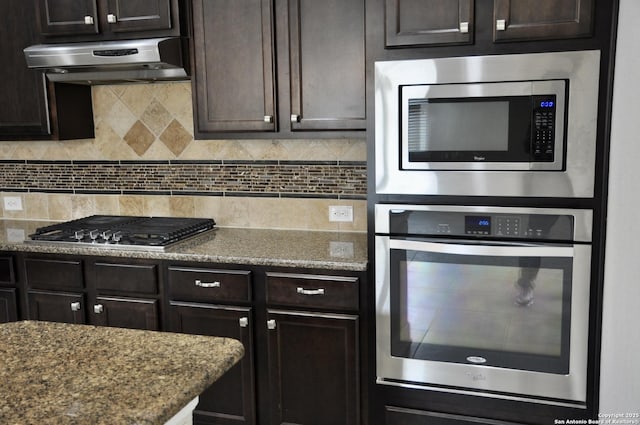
512	250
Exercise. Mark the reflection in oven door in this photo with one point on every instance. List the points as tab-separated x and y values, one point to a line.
499	317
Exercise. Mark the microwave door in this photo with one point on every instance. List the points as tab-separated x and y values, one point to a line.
482	126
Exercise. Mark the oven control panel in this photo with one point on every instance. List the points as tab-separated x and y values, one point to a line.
494	225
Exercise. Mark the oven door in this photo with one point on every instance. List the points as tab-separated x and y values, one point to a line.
500	319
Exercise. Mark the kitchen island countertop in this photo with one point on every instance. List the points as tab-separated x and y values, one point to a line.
55	373
262	247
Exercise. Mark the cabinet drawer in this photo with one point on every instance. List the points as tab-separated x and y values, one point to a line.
7	275
402	416
45	273
128	278
193	284
335	292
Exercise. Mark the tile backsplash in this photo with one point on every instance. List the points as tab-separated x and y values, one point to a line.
144	160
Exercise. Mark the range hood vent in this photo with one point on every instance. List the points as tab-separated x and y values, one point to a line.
110	62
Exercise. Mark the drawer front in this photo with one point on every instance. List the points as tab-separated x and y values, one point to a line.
127	278
194	284
401	416
7	275
52	274
331	292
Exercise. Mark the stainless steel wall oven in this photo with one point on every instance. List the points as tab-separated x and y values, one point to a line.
500	125
491	301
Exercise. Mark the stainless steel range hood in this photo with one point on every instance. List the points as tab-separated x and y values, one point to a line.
110	62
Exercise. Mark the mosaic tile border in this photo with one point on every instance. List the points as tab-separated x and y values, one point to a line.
282	179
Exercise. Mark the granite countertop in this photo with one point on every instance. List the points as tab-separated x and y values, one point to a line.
287	248
55	373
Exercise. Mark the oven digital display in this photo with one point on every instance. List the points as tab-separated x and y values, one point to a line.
477	225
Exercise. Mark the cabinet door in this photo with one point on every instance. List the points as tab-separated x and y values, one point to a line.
67	17
56	307
127	15
8	305
23	101
313	368
542	19
428	22
231	399
234	71
327	64
132	313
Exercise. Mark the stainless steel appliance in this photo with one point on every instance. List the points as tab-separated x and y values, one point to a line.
502	125
490	301
109	62
122	232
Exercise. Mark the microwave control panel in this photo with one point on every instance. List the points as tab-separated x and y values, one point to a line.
544	119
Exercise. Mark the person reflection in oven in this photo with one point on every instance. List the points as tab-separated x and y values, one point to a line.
539	225
529	268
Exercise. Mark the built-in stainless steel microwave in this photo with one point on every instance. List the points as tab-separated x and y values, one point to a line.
501	125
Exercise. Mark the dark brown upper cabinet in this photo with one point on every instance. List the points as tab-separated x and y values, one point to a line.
429	22
542	19
452	22
318	84
326	64
234	71
29	107
72	20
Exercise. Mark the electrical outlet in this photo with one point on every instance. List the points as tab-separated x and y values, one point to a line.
341	249
12	203
341	213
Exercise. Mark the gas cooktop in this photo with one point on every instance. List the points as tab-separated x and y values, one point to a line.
123	232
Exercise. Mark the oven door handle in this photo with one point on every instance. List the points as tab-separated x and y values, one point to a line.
512	250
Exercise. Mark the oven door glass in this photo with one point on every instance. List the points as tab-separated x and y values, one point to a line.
501	305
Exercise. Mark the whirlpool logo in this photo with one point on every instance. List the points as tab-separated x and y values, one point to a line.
476	377
478	158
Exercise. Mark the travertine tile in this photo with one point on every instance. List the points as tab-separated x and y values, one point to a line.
176	138
120	118
137	97
156	117
132	205
60	206
182	206
139	138
35	205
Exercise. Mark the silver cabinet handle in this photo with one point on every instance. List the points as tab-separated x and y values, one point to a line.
111	18
464	27
244	322
88	20
202	284
319	291
271	324
98	308
268	118
295	118
75	306
501	25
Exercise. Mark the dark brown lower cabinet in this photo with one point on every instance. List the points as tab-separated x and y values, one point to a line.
231	399
401	416
64	307
313	368
132	313
8	305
